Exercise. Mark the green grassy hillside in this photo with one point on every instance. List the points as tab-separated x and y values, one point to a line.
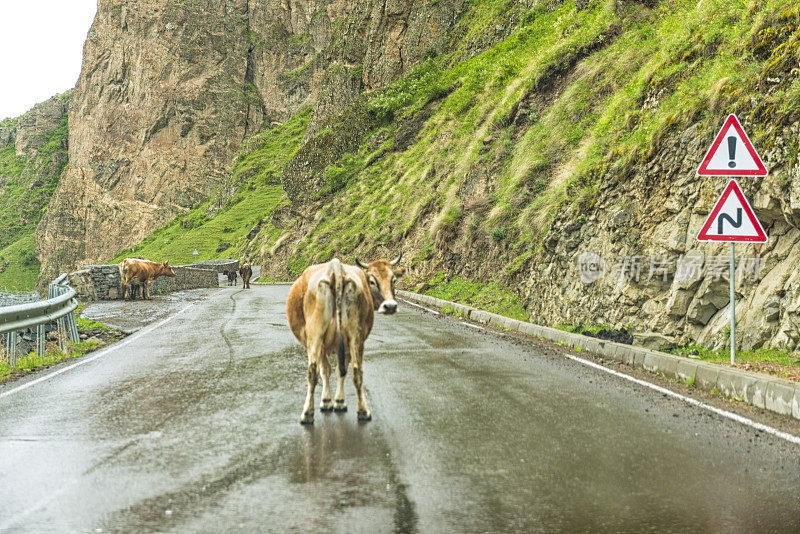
19	267
543	103
26	184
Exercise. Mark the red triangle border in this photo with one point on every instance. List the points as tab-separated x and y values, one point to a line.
732	120
733	186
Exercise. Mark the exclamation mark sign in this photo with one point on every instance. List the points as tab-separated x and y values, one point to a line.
732	152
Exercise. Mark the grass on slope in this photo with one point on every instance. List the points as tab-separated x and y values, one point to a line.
26	186
19	267
491	297
630	76
257	169
177	241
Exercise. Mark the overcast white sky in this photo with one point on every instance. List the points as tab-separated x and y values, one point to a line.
41	48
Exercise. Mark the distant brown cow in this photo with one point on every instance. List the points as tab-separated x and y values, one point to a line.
331	307
142	272
231	277
246	271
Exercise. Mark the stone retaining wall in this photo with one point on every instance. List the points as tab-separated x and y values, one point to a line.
219	266
102	282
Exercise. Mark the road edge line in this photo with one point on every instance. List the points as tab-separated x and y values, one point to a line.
83	361
724	413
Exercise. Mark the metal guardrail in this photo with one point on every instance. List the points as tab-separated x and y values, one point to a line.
59	307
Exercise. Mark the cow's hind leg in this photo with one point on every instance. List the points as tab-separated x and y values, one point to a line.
325	370
357	352
307	417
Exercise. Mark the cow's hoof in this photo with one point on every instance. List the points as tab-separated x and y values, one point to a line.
339	406
364	415
326	407
307	419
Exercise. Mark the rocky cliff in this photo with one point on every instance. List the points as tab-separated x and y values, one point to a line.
169	90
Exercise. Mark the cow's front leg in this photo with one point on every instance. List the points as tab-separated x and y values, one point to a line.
325	370
358	381
307	417
146	289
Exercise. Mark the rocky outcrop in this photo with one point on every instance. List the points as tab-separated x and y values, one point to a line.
654	275
34	127
169	90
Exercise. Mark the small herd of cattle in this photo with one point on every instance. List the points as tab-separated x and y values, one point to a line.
138	273
330	308
245	271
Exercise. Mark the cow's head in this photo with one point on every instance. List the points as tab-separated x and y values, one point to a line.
381	275
166	270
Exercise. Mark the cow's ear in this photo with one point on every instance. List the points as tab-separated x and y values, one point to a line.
399	272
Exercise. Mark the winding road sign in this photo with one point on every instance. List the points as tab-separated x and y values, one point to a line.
732	153
732	219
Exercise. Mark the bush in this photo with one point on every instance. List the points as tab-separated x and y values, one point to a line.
499	234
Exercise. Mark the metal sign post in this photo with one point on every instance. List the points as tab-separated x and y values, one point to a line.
732	218
733	302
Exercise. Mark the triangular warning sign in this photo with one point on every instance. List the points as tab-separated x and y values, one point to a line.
732	219
732	153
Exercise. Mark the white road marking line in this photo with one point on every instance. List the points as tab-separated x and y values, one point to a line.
734	417
423	307
129	339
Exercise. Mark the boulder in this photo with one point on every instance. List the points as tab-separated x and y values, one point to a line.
653	341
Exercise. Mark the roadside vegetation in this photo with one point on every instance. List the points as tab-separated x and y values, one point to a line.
775	362
97	335
491	297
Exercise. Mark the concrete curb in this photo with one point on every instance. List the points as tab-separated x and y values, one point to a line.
764	391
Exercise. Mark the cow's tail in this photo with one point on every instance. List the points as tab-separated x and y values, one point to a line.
339	301
335	281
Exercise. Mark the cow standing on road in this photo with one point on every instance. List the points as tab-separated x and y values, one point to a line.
231	277
247	272
331	307
142	272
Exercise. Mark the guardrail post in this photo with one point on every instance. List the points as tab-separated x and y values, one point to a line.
40	339
62	336
11	348
72	327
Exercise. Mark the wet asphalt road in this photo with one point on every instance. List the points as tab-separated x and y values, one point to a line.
193	427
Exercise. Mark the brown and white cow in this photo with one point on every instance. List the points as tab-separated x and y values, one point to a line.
331	308
142	272
247	272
